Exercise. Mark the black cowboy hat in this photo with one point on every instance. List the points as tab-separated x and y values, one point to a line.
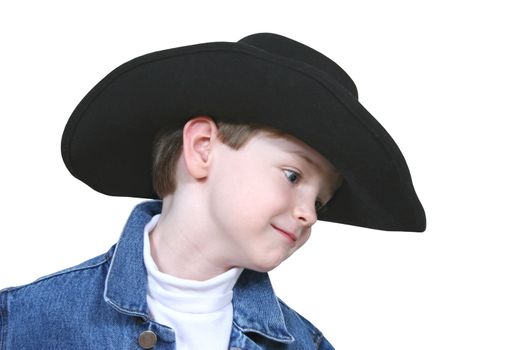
263	79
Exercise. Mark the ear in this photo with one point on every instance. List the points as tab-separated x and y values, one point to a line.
198	135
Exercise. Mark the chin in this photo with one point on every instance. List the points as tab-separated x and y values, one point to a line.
267	262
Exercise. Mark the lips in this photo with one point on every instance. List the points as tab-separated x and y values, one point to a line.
290	235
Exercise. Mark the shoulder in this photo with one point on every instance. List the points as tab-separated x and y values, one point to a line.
47	297
302	329
65	276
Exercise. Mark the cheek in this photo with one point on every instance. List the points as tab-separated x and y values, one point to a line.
241	195
256	188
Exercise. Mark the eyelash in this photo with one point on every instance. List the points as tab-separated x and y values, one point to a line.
319	206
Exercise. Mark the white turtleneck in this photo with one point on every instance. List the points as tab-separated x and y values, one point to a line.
200	312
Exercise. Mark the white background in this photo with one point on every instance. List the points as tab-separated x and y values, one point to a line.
446	79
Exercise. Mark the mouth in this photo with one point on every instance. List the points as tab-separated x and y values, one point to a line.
288	235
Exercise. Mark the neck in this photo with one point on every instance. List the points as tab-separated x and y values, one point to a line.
182	246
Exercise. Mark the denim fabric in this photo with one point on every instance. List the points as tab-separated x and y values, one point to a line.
101	304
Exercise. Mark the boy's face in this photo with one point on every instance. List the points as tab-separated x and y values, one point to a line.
263	198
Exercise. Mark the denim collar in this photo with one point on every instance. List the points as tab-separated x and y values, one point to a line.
126	283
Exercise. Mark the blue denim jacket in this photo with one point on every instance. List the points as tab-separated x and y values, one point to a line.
101	304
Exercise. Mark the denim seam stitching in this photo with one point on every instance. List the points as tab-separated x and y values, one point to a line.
318	341
56	274
3	319
108	300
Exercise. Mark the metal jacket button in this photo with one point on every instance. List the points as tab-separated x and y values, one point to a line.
147	339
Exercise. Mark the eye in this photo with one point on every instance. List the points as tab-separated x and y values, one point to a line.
292	176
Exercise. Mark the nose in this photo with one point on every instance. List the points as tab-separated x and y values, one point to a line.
305	212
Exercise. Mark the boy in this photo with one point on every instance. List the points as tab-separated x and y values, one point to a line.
252	142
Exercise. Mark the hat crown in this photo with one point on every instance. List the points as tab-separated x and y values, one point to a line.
286	47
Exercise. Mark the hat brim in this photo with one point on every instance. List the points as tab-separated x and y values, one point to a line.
107	142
